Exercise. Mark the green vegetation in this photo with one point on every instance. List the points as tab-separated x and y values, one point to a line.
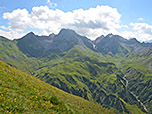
84	74
23	93
115	72
10	54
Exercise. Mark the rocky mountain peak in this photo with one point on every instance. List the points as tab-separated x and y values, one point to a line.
110	35
66	32
31	34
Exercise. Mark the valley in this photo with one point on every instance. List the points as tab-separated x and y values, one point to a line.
111	71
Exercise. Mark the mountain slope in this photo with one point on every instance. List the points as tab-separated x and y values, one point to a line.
30	45
111	43
10	54
39	46
84	74
114	72
116	45
23	93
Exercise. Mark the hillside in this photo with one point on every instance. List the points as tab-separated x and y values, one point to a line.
112	71
84	74
10	54
40	46
23	93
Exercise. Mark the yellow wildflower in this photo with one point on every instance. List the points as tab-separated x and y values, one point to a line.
15	99
51	105
44	105
6	89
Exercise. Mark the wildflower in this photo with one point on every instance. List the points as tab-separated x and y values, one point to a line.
44	105
10	72
36	97
6	89
14	99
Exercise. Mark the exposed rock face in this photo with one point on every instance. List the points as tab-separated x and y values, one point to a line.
36	46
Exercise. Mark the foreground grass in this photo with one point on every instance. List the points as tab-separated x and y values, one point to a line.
23	93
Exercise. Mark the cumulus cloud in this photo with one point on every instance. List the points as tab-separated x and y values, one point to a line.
141	31
92	22
19	19
142	28
11	34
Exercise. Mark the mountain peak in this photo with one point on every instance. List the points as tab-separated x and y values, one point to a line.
110	35
97	40
67	31
30	33
52	35
134	40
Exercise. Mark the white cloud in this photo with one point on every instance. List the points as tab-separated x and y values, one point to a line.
128	34
124	26
92	22
141	31
142	28
19	19
11	34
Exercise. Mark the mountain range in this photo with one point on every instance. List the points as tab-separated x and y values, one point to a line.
112	71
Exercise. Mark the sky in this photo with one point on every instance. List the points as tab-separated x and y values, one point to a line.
91	18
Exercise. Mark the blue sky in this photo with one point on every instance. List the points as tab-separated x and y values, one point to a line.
92	18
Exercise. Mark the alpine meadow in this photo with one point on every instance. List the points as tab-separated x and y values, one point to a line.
77	57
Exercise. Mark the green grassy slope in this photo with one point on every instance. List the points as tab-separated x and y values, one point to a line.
10	53
83	73
137	69
23	93
75	69
91	75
